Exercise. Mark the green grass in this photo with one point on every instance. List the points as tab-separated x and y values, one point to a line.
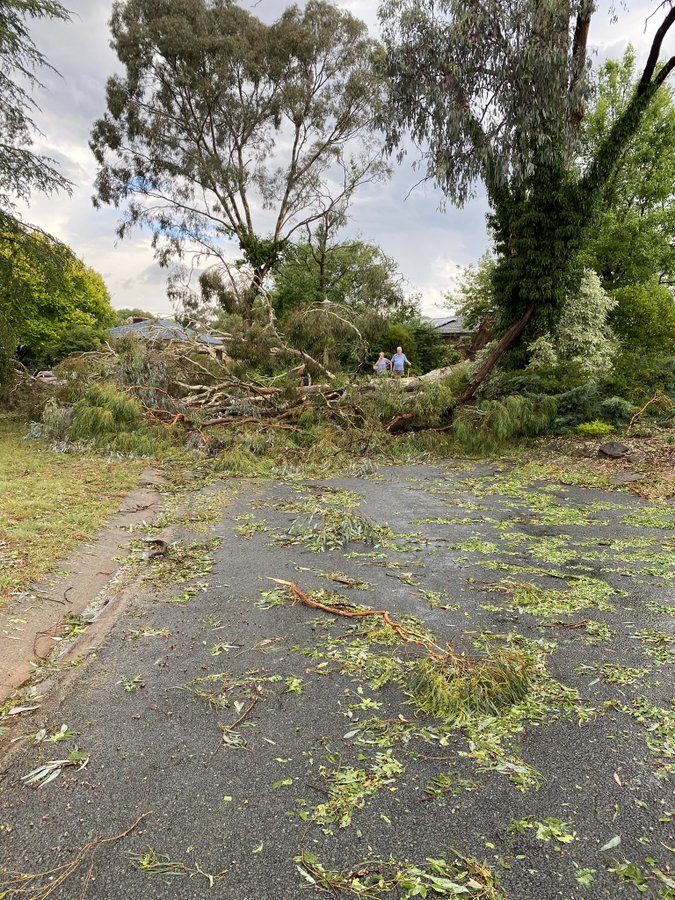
50	503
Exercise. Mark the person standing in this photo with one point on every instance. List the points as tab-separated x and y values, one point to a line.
398	363
382	364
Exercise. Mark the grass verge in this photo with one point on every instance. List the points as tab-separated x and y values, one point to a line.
51	502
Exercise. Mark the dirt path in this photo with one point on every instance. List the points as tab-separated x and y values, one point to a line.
275	750
30	625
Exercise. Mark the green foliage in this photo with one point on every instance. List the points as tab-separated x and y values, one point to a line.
644	317
372	880
549	830
107	419
475	299
352	273
400	335
132	313
638	376
21	170
337	335
431	350
138	363
631	243
52	303
424	408
616	410
329	528
506	112
78	339
56	420
494	423
577	405
350	788
460	687
594	429
581	335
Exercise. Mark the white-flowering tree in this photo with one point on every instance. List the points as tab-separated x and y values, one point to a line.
582	335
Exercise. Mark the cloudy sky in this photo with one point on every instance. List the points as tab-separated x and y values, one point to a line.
430	246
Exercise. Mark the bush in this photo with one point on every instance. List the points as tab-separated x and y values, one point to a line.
78	339
638	376
645	317
596	428
554	380
432	351
616	410
576	406
399	335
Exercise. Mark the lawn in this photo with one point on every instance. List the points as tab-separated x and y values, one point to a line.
50	502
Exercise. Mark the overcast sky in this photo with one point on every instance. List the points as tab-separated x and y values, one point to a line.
429	246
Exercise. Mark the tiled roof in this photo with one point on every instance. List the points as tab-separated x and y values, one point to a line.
162	330
450	324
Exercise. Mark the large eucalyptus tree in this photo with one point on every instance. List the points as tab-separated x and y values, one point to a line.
224	129
494	91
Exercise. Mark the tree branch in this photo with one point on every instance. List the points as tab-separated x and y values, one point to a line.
655	51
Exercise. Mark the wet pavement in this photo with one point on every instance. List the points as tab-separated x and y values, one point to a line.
255	731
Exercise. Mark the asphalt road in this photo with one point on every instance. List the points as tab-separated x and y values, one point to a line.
245	796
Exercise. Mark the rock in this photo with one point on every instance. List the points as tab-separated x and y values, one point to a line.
636	457
613	449
628	478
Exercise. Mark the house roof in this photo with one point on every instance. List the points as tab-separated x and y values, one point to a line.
162	330
450	324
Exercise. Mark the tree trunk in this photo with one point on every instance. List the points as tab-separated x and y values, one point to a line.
506	341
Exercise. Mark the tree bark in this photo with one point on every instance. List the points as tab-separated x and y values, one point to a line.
506	341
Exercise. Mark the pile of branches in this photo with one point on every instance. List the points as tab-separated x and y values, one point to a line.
198	387
200	395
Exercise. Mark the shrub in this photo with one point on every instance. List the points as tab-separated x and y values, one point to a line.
554	380
596	428
399	335
576	406
616	410
645	316
581	334
638	376
432	351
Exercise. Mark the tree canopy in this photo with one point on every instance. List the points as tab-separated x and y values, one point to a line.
224	130
496	94
632	242
351	272
21	170
49	297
